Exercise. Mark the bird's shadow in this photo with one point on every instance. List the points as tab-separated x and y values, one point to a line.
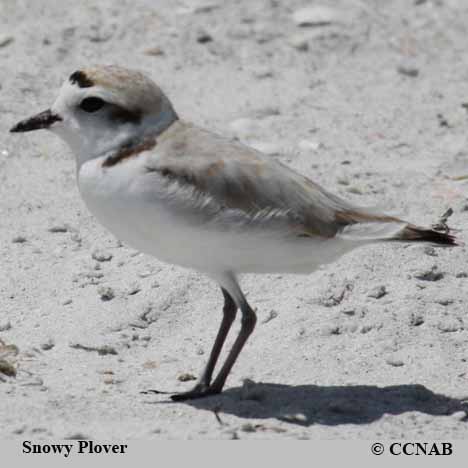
328	405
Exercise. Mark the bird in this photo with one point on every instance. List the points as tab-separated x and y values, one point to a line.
206	202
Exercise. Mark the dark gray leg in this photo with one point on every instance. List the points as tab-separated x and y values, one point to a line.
249	319
229	314
203	385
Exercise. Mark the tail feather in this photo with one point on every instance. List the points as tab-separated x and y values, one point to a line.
415	233
360	225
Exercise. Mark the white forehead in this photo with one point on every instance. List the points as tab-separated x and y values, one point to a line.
70	95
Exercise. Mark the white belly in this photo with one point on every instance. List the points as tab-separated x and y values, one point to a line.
149	225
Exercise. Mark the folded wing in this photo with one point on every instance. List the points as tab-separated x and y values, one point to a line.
236	177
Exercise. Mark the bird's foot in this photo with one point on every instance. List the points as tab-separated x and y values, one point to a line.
199	391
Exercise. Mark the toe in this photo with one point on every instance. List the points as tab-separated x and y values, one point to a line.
199	391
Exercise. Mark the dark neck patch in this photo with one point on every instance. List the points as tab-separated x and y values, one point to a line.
81	79
129	151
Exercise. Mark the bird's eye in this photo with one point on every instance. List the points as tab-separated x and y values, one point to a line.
91	104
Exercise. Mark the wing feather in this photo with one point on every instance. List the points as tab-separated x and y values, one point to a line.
240	178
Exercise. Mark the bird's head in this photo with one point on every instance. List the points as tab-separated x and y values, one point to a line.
102	108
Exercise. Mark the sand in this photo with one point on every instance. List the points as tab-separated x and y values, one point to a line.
368	98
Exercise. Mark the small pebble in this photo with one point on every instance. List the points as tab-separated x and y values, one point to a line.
355	190
416	319
93	274
377	292
336	296
443	122
411	72
75	237
299	42
205	6
33	382
342	180
366	328
432	274
7	368
6	40
186	377
266	147
47	345
349	312
133	289
101	350
314	16
394	362
449	325
112	380
308	145
20	430
78	436
101	256
429	250
106	293
154	51
445	301
203	37
267	111
58	228
145	273
150	364
331	330
4	326
264	33
196	7
263	72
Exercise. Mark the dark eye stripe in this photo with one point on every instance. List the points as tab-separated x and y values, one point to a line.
91	104
119	114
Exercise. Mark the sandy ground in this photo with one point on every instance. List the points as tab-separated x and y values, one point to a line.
370	105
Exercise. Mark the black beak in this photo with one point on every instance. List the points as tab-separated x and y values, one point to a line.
43	120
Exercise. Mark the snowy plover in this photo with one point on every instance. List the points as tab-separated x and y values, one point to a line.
196	199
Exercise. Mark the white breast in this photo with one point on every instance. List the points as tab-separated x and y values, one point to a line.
113	196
